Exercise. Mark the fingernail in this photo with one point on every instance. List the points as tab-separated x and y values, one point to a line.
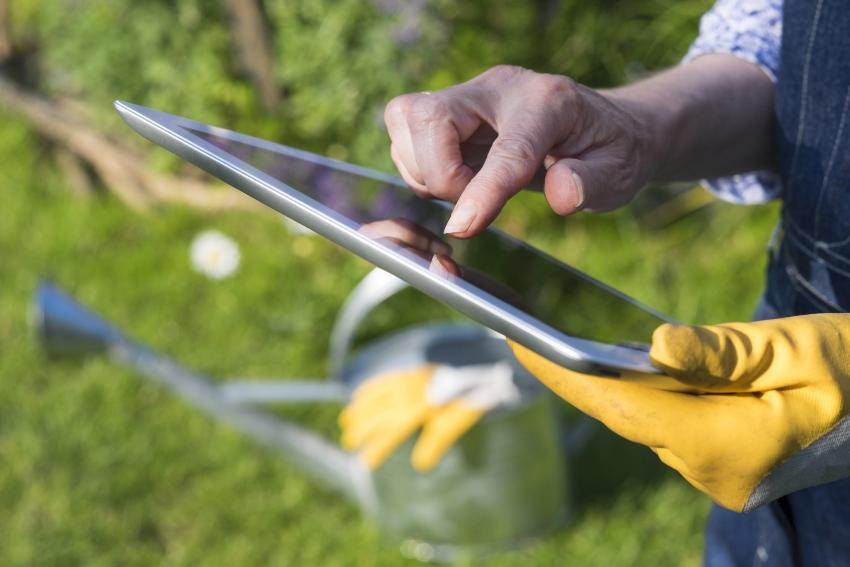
461	218
579	190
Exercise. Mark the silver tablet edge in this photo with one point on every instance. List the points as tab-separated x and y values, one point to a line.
582	355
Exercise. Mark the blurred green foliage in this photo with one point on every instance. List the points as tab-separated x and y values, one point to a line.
101	468
337	61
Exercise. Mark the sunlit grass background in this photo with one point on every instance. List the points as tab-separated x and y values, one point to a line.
100	468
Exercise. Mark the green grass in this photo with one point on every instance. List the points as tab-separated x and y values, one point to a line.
98	467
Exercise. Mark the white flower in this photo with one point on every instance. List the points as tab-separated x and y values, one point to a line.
214	254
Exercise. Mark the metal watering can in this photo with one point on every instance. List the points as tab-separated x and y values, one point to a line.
503	484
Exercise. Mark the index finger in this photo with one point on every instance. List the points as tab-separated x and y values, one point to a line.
511	164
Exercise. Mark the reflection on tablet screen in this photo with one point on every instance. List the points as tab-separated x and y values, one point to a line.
491	262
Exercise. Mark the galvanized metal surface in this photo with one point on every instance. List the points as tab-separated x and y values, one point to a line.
503	484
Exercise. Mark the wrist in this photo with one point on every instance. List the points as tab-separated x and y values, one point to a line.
654	127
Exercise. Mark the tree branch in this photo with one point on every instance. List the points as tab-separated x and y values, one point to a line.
252	44
5	35
123	171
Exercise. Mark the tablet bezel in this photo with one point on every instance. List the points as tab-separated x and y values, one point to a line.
175	134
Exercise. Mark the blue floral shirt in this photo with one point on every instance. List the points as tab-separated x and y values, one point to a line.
751	30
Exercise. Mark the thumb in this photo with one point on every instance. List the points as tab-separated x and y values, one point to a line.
597	182
716	356
564	187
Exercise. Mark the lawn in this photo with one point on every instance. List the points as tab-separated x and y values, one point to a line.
101	468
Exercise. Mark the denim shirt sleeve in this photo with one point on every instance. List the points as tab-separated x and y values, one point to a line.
751	30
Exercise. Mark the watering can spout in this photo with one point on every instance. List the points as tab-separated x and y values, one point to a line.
67	329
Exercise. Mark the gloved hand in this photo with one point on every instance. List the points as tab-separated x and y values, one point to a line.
443	401
748	412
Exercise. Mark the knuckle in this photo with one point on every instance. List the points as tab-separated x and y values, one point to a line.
556	84
556	91
516	152
428	109
505	72
397	106
558	95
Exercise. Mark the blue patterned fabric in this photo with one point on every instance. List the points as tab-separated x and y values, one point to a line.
751	30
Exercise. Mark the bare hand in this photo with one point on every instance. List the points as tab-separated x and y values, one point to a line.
480	142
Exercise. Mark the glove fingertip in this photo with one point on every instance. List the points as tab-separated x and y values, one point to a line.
429	449
347	443
677	348
374	457
424	461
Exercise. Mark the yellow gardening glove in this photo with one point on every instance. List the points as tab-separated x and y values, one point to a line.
443	401
756	410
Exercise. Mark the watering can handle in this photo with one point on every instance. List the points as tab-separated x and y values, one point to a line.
374	289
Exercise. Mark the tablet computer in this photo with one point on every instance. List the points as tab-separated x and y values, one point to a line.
494	278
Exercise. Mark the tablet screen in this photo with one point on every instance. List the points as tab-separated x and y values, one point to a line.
386	210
